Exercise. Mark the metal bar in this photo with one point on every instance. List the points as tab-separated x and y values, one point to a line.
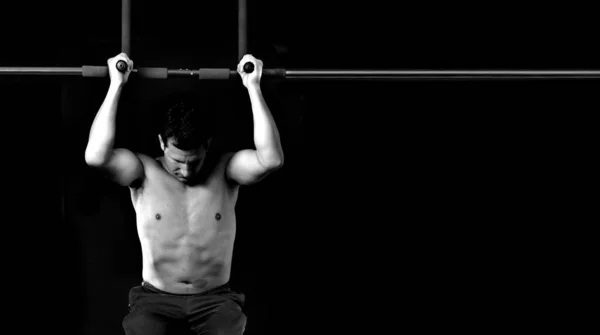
320	74
439	74
35	71
200	73
126	27
242	29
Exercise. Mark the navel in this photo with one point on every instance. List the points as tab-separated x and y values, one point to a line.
157	216
218	216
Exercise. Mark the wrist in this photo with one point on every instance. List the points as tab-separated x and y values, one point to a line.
254	88
115	86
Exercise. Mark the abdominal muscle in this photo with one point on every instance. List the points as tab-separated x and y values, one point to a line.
186	263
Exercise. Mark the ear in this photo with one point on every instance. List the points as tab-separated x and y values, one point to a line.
162	144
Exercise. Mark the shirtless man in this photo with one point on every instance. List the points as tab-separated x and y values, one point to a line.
184	202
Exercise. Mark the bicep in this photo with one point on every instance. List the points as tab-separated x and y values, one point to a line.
124	167
245	168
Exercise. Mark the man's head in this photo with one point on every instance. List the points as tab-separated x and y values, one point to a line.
185	138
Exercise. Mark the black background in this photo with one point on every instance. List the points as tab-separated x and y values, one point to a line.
402	206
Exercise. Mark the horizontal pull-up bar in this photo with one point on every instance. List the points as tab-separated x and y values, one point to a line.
440	74
142	72
225	74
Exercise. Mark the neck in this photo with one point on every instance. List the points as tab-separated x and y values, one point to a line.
199	178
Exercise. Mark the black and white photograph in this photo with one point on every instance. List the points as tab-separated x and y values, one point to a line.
292	167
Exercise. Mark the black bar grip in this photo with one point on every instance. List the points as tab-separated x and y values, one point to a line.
248	67
278	73
274	73
153	72
213	74
122	66
94	71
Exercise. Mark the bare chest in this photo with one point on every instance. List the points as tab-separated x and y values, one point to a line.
167	211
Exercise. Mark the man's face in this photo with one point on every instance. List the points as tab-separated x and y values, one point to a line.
183	164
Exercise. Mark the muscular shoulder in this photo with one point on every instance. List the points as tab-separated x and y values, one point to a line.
149	162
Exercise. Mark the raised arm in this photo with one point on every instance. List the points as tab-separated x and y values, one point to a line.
252	165
121	165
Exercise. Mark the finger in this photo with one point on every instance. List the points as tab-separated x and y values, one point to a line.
248	58
123	56
241	64
257	69
118	58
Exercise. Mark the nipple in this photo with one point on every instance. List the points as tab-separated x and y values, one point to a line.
158	216
218	216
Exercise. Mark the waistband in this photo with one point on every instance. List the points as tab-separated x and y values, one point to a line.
150	287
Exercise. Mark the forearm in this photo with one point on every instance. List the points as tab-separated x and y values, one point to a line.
266	135
102	132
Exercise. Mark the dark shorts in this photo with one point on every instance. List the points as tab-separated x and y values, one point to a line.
155	312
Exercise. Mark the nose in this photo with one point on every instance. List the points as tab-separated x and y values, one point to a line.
185	172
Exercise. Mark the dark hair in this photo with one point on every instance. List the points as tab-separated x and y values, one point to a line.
188	123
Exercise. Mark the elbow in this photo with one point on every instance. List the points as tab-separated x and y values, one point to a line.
274	164
94	158
93	161
272	161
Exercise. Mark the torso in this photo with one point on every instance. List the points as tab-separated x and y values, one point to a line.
186	233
